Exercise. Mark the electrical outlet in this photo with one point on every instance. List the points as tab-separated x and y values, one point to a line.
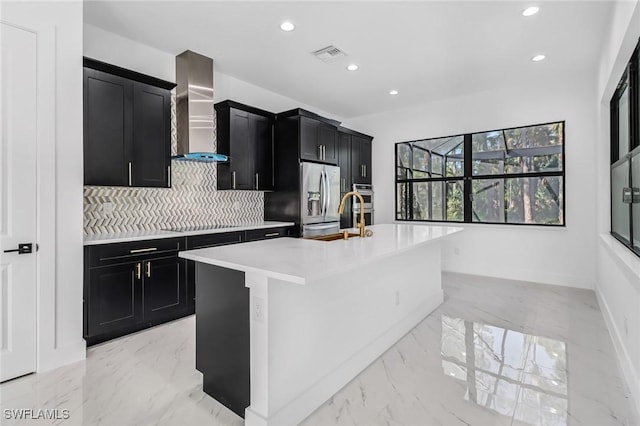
626	327
258	309
107	208
397	298
456	251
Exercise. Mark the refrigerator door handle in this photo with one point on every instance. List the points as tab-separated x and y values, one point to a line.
327	192
322	193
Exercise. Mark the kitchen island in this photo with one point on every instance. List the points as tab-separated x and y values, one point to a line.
283	324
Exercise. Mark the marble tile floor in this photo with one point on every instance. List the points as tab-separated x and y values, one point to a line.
496	352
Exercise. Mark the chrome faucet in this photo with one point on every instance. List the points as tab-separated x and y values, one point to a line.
360	224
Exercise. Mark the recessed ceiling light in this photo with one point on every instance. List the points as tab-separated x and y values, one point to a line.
352	67
538	58
532	10
393	92
287	26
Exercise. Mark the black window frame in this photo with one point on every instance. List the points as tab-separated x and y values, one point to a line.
468	177
629	80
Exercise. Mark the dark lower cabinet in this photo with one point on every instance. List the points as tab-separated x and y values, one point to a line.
115	297
136	285
165	294
132	286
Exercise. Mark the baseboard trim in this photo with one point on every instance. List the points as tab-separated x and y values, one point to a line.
630	374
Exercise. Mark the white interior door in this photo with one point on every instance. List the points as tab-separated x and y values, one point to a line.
18	130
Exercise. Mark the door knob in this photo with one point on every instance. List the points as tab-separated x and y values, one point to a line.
24	248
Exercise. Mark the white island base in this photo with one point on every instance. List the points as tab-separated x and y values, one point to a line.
321	312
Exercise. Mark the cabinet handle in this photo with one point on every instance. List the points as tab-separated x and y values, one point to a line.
257	181
130	173
272	234
233	180
148	269
144	250
319	152
138	270
365	170
169	175
324	152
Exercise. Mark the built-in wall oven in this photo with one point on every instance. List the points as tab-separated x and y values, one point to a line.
366	190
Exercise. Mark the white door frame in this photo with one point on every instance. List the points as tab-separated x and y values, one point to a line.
51	353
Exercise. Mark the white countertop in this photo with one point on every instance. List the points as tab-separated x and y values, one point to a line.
122	237
299	261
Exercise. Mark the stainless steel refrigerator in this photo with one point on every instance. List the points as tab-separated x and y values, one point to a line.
319	199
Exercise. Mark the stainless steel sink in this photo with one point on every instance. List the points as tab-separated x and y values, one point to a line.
332	237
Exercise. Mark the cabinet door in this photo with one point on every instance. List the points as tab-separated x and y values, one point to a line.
309	139
242	156
344	161
115	298
360	160
151	136
107	128
262	132
329	142
164	287
365	158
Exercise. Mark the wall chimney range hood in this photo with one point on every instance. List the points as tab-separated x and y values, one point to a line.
194	108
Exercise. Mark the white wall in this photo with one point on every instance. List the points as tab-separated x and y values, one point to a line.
58	26
618	270
562	256
117	50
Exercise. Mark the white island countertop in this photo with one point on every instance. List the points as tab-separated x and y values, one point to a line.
122	237
299	260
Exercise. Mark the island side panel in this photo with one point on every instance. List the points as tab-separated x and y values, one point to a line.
222	335
322	334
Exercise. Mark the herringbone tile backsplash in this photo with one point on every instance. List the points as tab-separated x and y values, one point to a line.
192	200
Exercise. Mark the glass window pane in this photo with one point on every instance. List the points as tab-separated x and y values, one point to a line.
530	200
619	210
635	173
455	160
623	123
455	204
403	157
438	201
421	159
402	201
520	150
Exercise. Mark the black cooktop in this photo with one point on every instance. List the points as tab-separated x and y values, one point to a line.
199	227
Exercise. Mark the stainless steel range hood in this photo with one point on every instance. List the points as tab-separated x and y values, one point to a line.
194	108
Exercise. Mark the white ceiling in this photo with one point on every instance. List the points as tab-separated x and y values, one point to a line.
427	50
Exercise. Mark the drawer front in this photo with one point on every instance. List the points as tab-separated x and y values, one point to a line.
267	233
109	254
212	240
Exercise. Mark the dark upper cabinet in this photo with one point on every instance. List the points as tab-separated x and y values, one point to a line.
360	159
245	134
151	159
127	127
344	162
318	141
107	128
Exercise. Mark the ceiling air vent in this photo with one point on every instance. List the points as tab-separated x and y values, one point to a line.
329	53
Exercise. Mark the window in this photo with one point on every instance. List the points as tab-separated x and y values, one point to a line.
625	158
513	176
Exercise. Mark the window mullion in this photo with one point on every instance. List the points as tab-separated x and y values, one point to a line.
468	171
